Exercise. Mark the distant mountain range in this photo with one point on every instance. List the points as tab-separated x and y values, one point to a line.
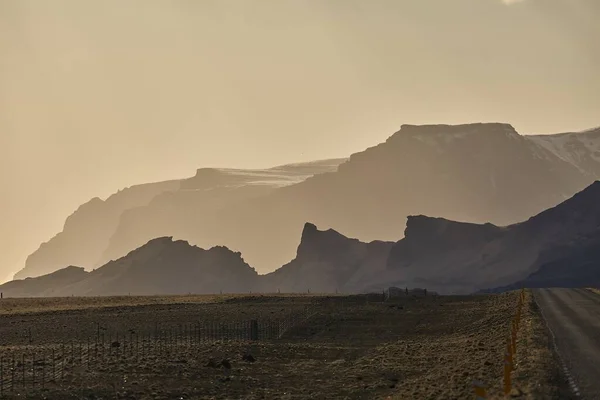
475	173
87	233
581	149
558	247
161	266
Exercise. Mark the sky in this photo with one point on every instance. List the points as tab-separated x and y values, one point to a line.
99	95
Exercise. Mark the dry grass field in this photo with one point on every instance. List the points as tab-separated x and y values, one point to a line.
346	348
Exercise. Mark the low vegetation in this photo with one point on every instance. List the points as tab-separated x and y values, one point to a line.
343	347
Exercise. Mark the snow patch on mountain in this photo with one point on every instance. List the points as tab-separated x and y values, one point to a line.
581	149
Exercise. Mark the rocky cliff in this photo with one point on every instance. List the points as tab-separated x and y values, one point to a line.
455	257
472	173
151	210
326	262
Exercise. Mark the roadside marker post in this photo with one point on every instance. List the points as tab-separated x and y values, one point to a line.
513	338
507	368
479	389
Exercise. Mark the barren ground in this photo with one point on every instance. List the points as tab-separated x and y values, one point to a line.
349	348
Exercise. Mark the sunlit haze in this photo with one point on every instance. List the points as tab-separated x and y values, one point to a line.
99	95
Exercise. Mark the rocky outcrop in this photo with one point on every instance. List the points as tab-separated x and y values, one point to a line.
555	247
326	262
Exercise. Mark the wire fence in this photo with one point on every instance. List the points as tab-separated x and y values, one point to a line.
31	367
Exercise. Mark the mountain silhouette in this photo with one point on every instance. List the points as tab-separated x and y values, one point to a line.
327	261
469	172
458	257
161	266
87	233
472	173
557	247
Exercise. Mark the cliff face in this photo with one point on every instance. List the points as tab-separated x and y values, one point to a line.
471	173
87	231
100	231
558	247
326	262
538	251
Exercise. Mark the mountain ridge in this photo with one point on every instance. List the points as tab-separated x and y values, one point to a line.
557	246
87	232
468	172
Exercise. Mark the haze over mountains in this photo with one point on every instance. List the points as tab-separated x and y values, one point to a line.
558	247
472	173
94	98
87	232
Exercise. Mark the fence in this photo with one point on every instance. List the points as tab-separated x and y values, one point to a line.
509	355
37	367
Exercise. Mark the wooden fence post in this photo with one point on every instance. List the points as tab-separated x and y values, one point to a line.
253	329
33	370
43	368
12	370
23	368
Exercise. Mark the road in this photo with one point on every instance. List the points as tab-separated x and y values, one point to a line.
573	316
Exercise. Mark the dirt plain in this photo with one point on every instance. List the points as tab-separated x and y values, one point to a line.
344	347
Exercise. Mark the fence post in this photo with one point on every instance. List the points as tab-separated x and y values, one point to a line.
1	377
43	368
23	368
12	380
253	329
63	362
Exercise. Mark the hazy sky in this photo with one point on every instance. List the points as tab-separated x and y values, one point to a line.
98	95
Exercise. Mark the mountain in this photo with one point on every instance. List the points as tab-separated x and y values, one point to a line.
474	173
326	262
483	172
162	266
87	233
557	247
554	248
50	285
581	149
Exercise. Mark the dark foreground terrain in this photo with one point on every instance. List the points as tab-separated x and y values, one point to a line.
306	347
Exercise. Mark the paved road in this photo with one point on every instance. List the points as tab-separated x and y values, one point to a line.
573	316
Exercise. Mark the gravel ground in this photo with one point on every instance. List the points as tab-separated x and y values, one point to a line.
348	348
